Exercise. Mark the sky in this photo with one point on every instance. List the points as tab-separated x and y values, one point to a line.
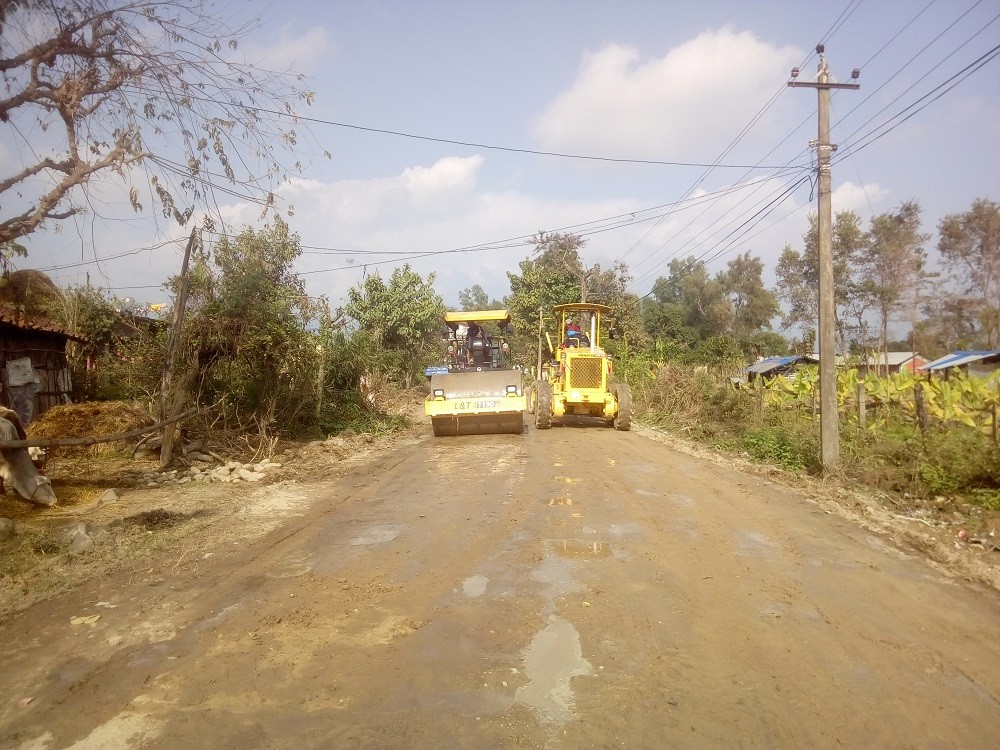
652	93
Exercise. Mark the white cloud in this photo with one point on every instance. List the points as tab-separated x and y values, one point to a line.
699	93
301	52
450	172
862	199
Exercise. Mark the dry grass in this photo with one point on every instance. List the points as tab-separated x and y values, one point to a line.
90	419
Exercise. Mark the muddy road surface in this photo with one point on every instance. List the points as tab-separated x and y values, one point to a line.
572	588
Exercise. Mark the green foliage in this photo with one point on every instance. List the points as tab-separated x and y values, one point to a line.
92	313
969	245
989	499
798	275
403	316
129	370
476	298
780	446
251	329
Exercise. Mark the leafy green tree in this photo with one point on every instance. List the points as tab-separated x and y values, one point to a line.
798	277
708	314
404	316
557	275
753	305
949	323
969	244
890	266
693	300
249	332
476	298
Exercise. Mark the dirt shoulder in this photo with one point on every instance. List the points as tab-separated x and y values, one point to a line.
133	522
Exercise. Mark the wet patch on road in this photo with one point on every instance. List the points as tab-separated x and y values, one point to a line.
552	659
573	549
680	501
558	576
378	535
475	586
753	543
293	566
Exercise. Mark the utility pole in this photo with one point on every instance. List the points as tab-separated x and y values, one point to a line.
829	427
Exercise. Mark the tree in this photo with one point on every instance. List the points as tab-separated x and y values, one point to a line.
753	305
890	266
404	315
248	331
557	275
969	244
798	277
98	88
699	311
475	298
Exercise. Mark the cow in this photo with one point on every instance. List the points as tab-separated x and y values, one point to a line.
16	466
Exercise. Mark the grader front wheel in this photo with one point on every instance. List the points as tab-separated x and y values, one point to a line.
542	392
623	394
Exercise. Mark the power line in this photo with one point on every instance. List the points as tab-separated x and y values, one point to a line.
491	147
874	134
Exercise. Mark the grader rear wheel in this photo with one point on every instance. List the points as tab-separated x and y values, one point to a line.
623	394
543	404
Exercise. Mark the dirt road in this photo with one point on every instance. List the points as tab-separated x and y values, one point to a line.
561	589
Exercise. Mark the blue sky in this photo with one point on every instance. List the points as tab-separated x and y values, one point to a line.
695	82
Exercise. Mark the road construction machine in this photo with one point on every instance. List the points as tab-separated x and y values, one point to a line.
576	376
477	389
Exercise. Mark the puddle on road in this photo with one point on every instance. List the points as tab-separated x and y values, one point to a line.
558	574
647	493
552	659
574	549
378	535
474	586
293	566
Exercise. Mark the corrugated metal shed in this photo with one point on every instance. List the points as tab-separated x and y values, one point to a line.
961	359
775	365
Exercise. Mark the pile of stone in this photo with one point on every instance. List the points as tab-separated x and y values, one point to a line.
230	471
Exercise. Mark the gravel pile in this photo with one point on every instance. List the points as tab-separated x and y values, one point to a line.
231	471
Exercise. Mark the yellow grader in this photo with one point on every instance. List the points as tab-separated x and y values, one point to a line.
576	376
477	389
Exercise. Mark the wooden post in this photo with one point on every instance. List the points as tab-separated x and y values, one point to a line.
862	406
996	428
320	377
167	404
920	406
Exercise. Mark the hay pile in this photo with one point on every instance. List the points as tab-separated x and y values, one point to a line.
90	419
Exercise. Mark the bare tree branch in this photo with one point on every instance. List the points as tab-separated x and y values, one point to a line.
103	86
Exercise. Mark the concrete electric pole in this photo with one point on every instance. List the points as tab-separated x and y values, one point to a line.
829	428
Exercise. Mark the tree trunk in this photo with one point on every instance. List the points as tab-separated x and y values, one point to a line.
170	404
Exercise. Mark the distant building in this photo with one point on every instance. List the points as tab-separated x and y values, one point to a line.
886	363
983	364
771	367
